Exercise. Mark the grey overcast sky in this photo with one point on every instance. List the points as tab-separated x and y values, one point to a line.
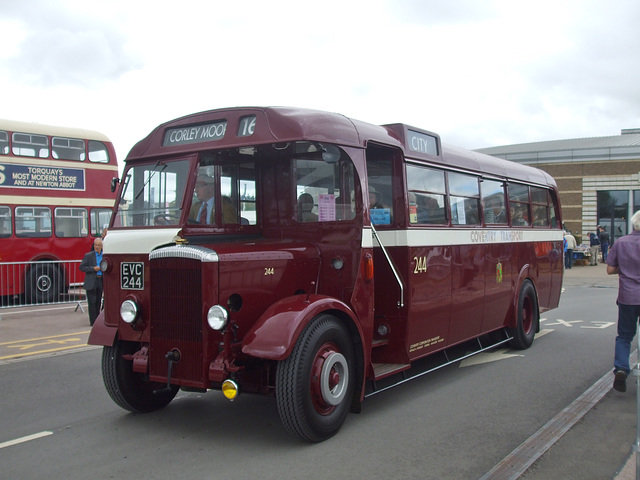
479	73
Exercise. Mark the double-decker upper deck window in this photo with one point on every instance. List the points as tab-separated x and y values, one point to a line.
4	143
98	152
493	202
67	149
427	195
324	189
30	145
464	197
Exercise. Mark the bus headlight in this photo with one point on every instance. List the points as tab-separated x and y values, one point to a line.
129	311
105	265
217	317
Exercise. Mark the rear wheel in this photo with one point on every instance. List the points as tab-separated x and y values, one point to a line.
128	389
315	384
44	283
528	317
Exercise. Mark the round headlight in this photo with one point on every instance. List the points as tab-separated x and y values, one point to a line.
104	265
217	317
128	311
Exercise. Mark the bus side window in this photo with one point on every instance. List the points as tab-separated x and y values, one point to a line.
71	222
464	198
493	202
519	204
379	177
5	222
540	207
427	195
33	222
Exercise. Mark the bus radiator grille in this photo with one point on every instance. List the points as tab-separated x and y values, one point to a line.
176	318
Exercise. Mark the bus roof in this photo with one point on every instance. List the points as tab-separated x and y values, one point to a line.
41	129
285	124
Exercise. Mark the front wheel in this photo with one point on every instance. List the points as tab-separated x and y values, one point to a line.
128	389
528	317
315	384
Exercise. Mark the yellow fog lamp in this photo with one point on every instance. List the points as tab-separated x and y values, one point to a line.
230	389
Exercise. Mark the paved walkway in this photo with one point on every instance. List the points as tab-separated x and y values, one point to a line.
602	441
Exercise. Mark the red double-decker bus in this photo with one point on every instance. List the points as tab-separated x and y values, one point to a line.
55	198
316	258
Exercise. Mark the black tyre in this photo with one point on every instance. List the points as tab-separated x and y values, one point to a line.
44	283
130	390
314	386
528	317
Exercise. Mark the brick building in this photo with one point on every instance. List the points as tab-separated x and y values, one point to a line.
598	178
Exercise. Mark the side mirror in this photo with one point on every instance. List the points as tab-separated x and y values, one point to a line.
114	183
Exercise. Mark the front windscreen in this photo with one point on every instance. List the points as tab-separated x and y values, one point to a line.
152	194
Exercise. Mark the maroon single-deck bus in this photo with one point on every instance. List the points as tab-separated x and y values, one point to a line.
335	260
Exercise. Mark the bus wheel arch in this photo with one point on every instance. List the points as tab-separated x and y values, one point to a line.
527	316
315	384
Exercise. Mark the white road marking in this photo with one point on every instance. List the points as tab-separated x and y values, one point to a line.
28	438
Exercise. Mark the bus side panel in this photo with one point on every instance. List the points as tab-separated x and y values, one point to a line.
549	258
500	262
429	289
467	292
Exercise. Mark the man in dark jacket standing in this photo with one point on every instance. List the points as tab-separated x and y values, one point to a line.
90	265
623	260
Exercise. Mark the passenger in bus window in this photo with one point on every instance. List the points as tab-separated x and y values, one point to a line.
380	213
375	199
429	211
305	205
540	217
203	211
494	212
229	211
517	216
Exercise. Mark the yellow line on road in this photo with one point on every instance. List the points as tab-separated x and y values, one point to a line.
45	338
20	355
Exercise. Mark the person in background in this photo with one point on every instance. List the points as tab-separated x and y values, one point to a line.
594	246
604	243
571	246
90	265
623	261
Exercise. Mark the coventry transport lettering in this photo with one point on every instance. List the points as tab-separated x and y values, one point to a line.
496	236
41	177
195	134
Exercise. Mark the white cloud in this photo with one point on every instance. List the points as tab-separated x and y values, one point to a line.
478	73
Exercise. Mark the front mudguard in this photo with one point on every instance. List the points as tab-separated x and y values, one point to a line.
102	334
277	330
